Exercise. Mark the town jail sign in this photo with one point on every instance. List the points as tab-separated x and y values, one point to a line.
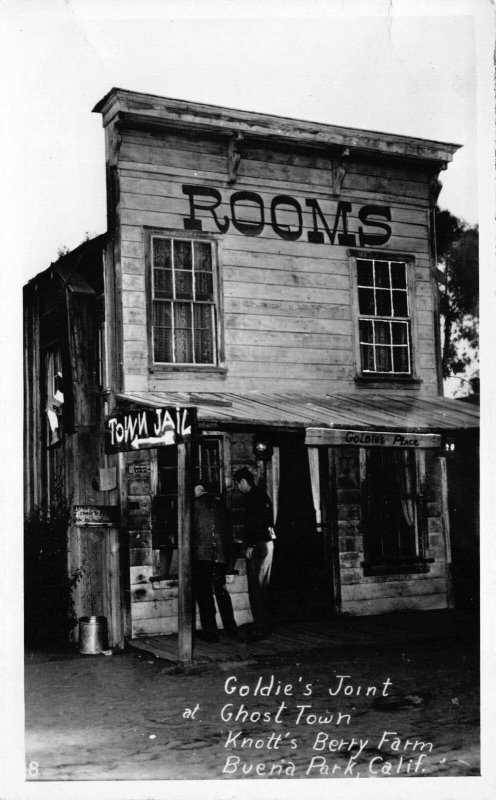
142	429
250	215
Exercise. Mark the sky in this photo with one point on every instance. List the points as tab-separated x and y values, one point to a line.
345	62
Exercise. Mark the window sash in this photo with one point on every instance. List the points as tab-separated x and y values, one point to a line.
384	325
375	352
392	525
208	466
183	313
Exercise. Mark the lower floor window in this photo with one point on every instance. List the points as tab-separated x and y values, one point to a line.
207	470
391	510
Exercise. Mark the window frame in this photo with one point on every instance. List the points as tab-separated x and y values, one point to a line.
52	364
218	366
224	468
414	564
365	377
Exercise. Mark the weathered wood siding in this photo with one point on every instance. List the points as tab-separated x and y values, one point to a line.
287	304
154	606
96	550
380	594
33	489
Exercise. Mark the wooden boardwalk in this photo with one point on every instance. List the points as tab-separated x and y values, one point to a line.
319	635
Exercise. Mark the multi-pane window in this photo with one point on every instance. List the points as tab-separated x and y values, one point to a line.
392	512
54	394
384	322
392	505
183	296
207	468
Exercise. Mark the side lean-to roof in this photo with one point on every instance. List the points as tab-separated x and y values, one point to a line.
79	270
135	108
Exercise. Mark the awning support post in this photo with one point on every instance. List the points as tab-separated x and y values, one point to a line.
185	515
446	529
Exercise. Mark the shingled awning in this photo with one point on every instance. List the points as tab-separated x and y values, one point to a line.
369	411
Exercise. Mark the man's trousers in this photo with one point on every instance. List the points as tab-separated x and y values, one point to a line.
209	579
258	569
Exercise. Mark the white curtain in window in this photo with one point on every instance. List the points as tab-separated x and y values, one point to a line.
54	394
313	461
405	481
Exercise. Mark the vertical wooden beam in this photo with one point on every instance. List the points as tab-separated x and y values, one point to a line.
447	533
32	408
330	520
116	632
185	516
124	545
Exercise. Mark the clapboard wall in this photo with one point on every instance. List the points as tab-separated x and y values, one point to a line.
287	305
153	607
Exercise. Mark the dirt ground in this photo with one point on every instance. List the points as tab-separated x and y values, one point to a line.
132	717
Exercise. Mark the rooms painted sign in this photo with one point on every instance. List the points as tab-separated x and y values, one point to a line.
250	215
144	428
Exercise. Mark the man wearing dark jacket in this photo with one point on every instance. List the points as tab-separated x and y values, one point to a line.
211	553
258	535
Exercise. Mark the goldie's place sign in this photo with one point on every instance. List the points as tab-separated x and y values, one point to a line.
330	436
142	429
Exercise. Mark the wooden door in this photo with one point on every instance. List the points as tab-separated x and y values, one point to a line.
99	590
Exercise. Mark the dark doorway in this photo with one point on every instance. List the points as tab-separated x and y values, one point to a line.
301	578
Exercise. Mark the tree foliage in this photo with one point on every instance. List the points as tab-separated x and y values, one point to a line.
457	246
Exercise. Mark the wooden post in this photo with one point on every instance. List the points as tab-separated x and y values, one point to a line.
447	533
185	514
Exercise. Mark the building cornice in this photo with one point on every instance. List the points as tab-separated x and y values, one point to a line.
137	110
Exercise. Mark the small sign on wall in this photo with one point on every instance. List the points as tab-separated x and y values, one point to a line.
88	516
139	468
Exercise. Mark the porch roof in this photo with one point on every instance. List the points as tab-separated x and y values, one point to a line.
369	411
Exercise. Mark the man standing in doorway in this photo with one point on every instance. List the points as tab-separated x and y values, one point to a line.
258	536
211	555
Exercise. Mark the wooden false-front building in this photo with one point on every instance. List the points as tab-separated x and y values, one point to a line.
273	280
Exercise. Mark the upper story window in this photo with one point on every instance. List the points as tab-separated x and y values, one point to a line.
184	301
53	394
384	317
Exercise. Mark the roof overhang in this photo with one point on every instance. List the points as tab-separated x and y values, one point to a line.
133	109
390	413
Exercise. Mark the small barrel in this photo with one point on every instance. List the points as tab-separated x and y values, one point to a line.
93	635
